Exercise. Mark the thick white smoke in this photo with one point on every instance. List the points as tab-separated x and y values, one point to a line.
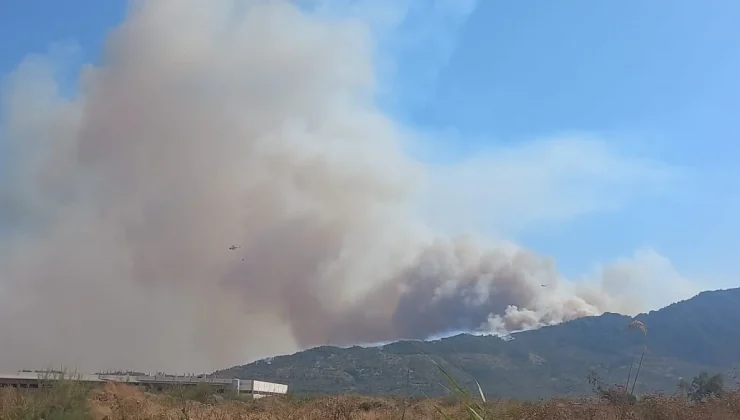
208	126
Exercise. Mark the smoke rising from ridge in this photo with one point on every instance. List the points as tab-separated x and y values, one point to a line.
202	129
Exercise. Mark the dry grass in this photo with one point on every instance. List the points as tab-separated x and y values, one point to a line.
121	402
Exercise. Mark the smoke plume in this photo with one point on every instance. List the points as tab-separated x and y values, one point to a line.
206	127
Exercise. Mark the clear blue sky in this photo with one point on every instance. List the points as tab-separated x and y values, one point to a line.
656	79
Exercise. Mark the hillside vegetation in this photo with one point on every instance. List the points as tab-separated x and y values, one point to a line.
683	339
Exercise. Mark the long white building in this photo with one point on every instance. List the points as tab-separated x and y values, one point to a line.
37	379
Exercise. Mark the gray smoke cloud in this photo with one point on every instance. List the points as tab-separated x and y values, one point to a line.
208	126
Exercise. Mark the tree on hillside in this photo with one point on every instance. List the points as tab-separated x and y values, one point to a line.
615	394
703	386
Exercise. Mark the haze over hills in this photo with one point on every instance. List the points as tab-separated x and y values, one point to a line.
267	125
257	166
683	339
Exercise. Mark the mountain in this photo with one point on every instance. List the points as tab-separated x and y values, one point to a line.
698	334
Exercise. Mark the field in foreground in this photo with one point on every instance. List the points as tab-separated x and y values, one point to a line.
118	402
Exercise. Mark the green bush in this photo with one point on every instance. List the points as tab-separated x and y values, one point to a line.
64	399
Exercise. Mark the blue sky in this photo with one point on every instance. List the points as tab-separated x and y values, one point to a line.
654	80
